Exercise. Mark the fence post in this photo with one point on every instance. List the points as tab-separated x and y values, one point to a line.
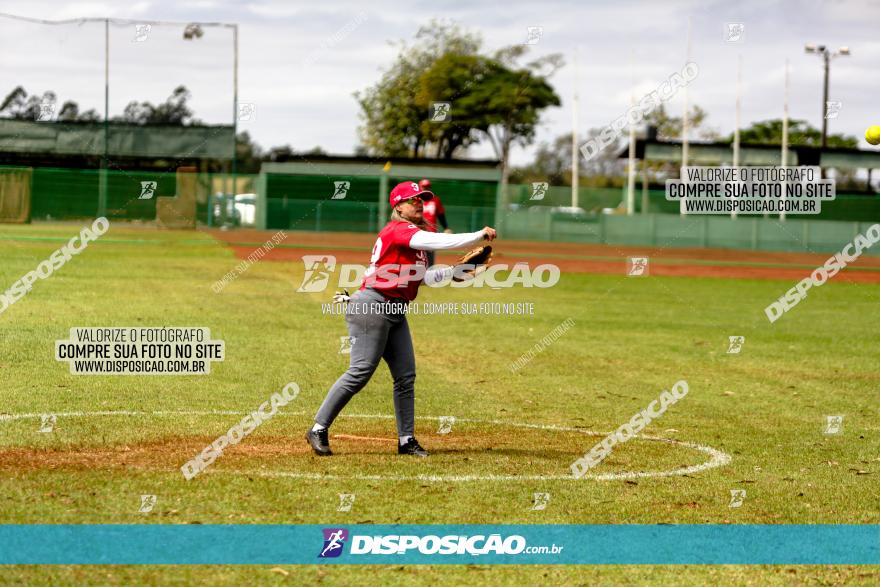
383	211
262	215
102	188
318	216
500	213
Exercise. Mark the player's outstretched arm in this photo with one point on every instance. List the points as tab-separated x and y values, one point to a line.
434	241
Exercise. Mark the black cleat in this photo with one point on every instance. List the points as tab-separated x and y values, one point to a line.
319	442
412	447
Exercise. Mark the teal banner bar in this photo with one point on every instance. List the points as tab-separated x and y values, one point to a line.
440	544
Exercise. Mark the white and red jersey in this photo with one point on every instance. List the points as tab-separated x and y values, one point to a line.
398	263
390	253
431	209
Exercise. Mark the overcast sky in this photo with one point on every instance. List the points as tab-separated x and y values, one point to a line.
300	62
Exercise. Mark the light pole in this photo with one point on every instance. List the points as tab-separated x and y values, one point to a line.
194	31
105	160
827	56
575	154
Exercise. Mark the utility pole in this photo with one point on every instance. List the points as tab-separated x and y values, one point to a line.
739	65
575	154
102	178
826	56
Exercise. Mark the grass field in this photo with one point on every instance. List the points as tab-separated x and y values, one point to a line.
632	338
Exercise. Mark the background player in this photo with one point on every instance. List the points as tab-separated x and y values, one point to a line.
433	212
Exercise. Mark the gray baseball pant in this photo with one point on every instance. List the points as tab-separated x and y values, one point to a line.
380	331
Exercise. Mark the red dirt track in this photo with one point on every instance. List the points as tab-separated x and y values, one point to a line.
349	247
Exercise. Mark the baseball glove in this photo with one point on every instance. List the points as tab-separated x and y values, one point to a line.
474	261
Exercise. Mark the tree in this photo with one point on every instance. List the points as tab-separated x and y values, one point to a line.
279	153
669	127
492	98
394	109
800	133
14	103
513	98
606	169
552	164
70	112
769	132
248	153
316	150
451	79
17	105
174	110
286	153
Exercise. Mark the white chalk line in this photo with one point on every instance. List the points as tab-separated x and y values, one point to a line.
717	458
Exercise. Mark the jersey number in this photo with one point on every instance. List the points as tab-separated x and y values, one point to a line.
374	257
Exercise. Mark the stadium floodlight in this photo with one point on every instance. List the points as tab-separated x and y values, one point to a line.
192	31
827	56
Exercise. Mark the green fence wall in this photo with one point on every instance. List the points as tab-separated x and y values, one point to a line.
358	216
848	207
304	202
73	193
590	199
671	231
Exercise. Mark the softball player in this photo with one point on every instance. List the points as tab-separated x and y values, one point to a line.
433	213
376	316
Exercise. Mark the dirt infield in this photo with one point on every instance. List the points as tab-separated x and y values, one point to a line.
477	452
350	247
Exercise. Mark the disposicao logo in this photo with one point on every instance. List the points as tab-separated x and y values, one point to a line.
334	541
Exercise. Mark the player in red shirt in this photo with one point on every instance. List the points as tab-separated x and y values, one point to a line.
433	212
376	314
